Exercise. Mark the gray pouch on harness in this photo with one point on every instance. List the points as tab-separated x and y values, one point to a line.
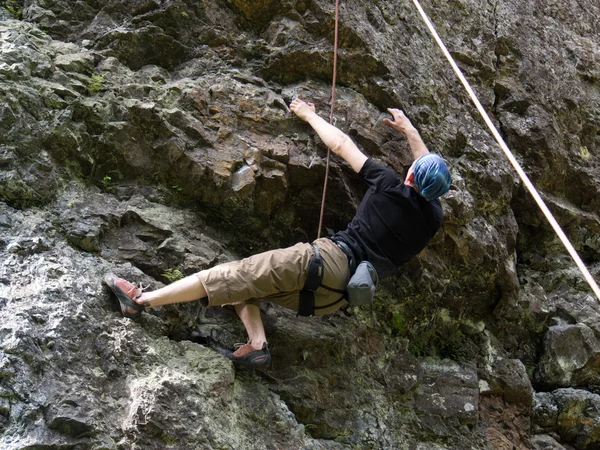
361	287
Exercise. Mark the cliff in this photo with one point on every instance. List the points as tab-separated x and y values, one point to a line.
153	138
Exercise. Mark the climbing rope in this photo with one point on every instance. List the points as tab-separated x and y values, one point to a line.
564	239
335	47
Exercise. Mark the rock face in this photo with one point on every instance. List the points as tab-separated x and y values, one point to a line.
153	138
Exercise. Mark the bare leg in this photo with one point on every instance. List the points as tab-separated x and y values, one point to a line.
185	290
250	316
190	288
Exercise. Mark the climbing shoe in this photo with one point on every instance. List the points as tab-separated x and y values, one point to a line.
126	293
248	356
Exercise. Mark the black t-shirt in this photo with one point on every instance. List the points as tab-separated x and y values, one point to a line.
393	222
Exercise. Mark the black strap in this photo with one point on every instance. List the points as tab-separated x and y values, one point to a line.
331	304
314	277
339	291
306	303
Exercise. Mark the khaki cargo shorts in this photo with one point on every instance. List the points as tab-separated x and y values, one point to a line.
278	276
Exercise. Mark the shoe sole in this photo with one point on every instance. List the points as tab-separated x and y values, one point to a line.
239	361
256	362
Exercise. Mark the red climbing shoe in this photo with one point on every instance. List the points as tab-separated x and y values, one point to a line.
248	356
126	293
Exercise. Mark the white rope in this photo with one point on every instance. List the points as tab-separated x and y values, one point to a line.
511	158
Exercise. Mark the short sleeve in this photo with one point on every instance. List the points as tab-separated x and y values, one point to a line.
378	177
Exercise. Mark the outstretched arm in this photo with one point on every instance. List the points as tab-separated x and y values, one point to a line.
335	139
401	123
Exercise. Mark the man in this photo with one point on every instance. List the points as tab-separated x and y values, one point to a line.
394	222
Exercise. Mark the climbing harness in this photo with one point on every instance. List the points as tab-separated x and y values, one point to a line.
359	291
314	277
314	280
558	230
335	47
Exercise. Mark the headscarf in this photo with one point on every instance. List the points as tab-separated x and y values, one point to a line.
432	177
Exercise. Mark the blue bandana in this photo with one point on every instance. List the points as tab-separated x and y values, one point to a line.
432	176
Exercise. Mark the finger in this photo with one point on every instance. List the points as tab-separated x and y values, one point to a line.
390	123
396	114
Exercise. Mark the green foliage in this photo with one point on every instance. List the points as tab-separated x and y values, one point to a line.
177	188
96	83
398	323
172	275
106	181
15	8
443	342
110	177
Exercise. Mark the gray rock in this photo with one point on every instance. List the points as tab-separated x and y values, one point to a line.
242	178
514	382
146	45
571	413
78	62
128	134
447	391
545	442
570	358
503	376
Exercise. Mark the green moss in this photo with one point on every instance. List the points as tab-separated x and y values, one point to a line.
172	275
15	8
17	193
53	103
585	152
96	83
398	323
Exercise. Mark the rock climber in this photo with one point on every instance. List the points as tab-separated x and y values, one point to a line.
394	222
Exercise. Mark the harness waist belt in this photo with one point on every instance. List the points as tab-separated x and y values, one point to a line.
348	252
